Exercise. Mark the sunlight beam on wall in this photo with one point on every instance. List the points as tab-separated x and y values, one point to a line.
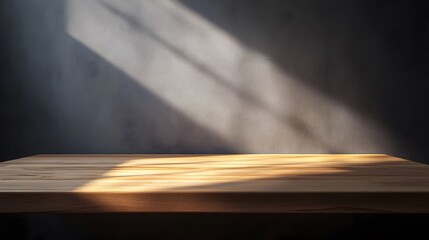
218	82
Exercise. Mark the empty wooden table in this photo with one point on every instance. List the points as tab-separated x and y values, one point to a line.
304	183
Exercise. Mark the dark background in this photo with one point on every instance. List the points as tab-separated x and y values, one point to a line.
189	76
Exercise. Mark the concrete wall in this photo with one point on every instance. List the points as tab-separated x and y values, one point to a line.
214	76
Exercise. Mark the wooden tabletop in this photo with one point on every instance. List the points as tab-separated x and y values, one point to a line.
305	183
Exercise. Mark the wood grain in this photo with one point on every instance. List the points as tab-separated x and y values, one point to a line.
336	183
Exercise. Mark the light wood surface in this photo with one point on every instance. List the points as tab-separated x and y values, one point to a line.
335	183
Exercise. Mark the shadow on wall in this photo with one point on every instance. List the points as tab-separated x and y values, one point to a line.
200	71
369	55
61	97
334	77
220	77
300	129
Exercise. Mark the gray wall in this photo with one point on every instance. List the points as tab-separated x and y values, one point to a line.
106	76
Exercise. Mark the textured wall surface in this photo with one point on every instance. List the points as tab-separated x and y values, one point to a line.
201	76
214	76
